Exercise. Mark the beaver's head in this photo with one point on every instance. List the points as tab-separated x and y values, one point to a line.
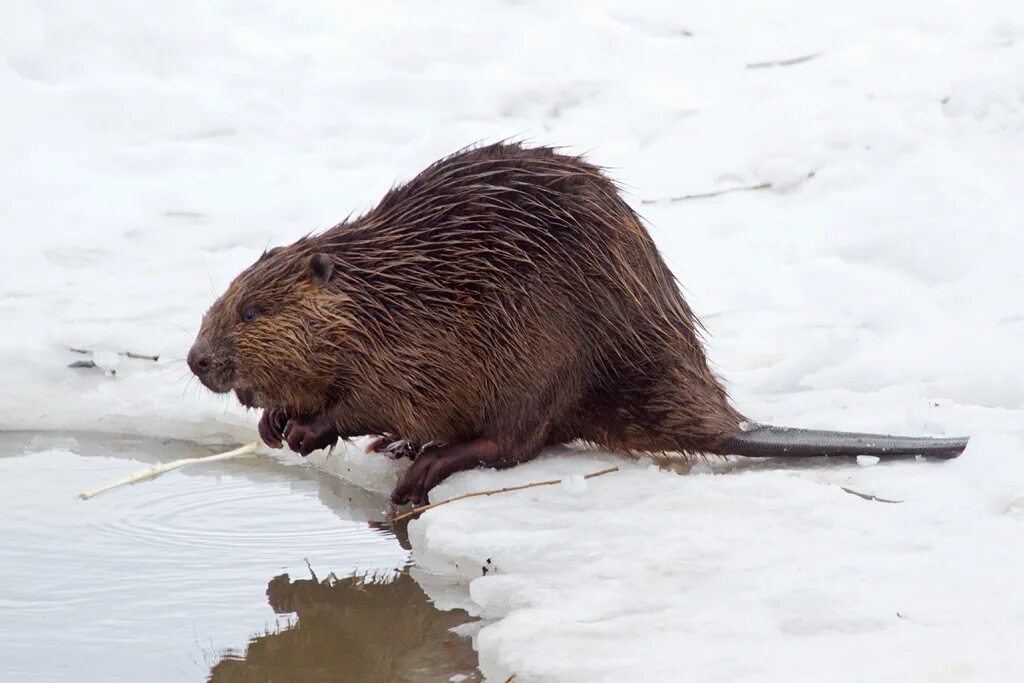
268	337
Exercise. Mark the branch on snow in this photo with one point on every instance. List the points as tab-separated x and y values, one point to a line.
716	193
784	62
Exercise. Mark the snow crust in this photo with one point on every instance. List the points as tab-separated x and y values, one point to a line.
152	152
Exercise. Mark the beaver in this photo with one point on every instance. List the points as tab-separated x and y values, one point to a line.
504	299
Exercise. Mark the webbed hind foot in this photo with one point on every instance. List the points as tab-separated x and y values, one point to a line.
394	448
436	463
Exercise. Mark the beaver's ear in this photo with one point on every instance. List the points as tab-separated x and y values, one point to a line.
321	267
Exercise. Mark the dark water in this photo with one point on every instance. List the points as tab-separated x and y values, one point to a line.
245	570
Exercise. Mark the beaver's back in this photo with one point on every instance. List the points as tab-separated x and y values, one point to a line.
501	277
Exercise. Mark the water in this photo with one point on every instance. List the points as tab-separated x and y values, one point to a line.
246	570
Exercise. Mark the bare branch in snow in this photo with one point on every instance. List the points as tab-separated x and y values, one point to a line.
715	193
507	489
869	496
784	62
127	354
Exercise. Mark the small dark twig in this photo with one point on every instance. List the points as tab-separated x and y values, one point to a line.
784	62
715	193
127	354
869	496
140	356
707	195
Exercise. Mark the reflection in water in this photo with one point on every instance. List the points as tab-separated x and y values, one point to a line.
153	582
354	629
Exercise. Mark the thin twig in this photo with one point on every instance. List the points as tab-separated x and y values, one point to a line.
784	62
140	356
715	193
507	489
157	470
706	195
127	354
869	496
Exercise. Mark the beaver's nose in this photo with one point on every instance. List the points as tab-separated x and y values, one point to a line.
198	361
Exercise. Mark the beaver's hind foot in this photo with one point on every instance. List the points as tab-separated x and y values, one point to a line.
436	463
394	447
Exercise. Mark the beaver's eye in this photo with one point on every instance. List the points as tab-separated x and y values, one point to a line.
250	314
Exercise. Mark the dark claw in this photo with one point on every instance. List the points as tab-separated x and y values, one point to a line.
293	433
394	448
271	423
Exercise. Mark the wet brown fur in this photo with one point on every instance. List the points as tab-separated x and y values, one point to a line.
505	293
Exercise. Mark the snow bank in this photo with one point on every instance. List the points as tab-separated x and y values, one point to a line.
751	573
873	283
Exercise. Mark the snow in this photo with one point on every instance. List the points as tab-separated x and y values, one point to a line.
107	360
153	153
574	485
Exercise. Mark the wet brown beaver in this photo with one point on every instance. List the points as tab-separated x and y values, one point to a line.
504	299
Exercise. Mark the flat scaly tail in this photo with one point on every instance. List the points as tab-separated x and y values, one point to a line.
767	441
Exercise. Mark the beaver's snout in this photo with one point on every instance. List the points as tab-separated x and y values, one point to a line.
216	374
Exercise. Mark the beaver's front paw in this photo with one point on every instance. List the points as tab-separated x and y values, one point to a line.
307	434
272	424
